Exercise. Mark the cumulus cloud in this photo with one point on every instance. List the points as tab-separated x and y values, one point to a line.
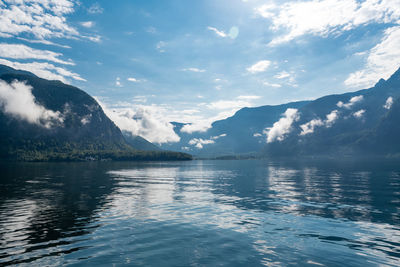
20	51
382	61
199	142
354	100
281	128
310	126
148	122
260	66
218	32
325	17
359	114
331	118
44	70
17	100
388	103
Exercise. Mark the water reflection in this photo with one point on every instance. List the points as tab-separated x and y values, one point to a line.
200	213
43	206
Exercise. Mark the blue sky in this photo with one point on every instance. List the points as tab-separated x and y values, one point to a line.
198	61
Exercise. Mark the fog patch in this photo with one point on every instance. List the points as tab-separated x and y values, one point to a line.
309	127
354	100
388	103
281	128
17	100
144	121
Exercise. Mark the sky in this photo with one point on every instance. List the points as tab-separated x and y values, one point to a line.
152	62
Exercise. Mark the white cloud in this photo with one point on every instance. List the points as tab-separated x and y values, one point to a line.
199	142
354	100
260	66
87	24
218	32
382	61
331	118
257	135
324	17
282	75
118	82
94	38
20	51
310	126
276	85
86	119
17	100
44	70
359	114
388	103
41	19
193	70
200	126
281	128
218	136
132	79
148	122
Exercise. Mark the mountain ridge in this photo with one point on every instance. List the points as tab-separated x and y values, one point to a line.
48	120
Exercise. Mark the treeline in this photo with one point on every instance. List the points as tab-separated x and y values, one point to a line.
95	155
50	150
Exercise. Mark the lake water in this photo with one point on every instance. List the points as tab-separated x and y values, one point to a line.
200	213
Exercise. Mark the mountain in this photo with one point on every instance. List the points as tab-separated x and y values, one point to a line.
42	119
365	122
139	142
240	134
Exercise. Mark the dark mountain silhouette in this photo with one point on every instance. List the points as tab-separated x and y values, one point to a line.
84	131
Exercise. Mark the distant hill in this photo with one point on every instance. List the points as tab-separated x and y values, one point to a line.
42	119
239	134
365	122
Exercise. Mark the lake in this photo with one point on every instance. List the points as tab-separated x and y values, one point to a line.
200	213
